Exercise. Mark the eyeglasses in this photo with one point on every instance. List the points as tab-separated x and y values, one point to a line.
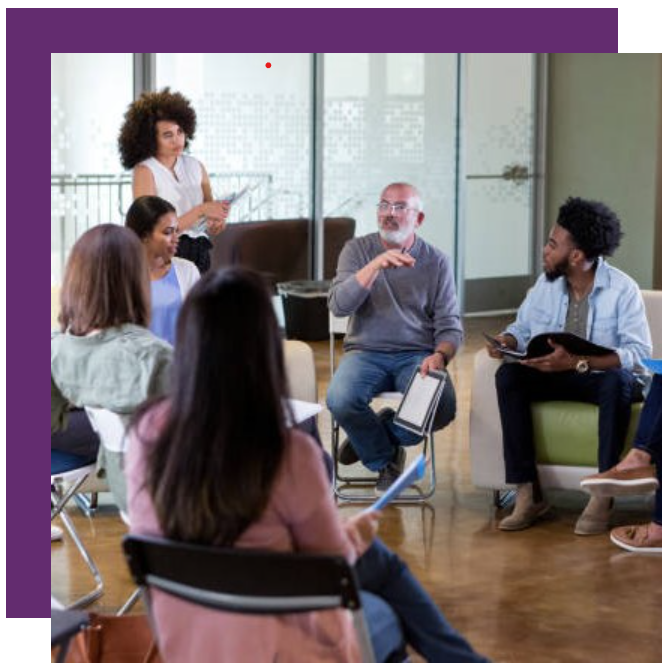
395	208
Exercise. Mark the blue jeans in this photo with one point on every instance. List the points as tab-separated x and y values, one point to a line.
649	437
361	376
384	575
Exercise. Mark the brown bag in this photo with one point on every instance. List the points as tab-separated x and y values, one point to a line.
114	639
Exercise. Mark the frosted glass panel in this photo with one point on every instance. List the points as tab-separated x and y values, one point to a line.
253	125
499	113
89	95
498	238
499	151
400	126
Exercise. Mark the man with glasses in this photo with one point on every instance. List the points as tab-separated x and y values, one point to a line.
400	295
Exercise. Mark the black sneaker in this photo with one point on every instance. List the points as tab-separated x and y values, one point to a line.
347	454
391	472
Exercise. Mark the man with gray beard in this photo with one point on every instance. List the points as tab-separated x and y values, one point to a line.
399	293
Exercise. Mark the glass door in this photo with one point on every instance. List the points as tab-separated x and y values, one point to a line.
500	196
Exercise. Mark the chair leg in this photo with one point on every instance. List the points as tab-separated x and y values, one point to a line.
130	602
413	494
58	510
503	498
87	503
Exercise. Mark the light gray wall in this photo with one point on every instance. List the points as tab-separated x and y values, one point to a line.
604	143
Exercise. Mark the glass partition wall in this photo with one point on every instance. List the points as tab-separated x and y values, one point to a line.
89	94
351	122
391	117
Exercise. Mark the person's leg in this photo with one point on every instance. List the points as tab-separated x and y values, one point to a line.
383	625
360	376
78	438
516	387
649	432
634	474
382	572
653	443
614	392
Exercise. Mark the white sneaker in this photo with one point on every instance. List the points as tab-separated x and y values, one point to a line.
56	533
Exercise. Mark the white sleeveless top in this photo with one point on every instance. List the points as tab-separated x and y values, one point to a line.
185	192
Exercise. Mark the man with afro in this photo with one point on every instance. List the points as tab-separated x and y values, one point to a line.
579	292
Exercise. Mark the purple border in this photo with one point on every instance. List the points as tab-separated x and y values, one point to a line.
147	30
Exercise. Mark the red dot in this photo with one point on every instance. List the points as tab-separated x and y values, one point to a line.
268	64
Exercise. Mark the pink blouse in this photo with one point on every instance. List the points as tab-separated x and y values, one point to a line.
301	516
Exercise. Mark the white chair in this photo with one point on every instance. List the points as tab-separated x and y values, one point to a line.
301	371
67	475
344	484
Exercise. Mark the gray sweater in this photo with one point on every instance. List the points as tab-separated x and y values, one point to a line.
406	309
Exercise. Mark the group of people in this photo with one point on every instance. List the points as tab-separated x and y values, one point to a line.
173	355
143	334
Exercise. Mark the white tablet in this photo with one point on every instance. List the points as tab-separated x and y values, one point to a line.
420	400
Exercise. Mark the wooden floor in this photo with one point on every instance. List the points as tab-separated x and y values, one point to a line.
539	596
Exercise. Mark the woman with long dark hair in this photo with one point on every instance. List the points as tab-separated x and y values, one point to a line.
217	464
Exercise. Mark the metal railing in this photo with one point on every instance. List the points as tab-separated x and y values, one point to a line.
79	202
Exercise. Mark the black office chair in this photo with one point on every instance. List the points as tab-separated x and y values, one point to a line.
247	581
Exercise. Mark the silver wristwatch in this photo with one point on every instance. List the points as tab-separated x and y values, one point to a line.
582	366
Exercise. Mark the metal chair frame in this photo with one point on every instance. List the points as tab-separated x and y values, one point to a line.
59	499
247	581
343	483
111	428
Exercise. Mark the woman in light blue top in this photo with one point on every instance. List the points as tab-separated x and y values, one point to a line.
155	222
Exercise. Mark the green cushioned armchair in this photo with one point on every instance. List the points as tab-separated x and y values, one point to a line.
565	431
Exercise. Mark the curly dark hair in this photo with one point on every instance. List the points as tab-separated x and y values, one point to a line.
138	135
595	229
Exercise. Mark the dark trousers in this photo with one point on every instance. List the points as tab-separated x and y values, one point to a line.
78	438
518	386
196	249
649	437
384	575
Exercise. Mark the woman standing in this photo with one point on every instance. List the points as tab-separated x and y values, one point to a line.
156	131
154	221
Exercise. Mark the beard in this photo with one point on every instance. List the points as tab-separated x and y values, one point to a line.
558	270
396	236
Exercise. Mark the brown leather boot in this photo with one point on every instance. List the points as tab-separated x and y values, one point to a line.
526	511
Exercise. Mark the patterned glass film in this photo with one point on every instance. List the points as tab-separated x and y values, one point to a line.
391	117
499	167
254	126
89	94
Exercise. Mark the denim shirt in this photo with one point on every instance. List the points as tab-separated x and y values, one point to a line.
616	315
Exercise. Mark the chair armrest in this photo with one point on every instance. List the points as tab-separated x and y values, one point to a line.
486	444
301	371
